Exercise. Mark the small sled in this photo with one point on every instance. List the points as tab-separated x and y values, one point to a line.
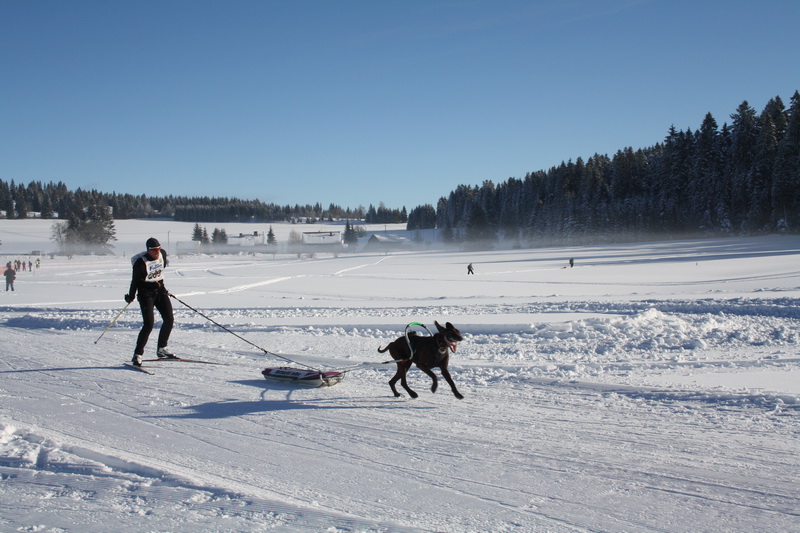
298	376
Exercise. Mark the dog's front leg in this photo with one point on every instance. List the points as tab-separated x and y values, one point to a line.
449	379
429	372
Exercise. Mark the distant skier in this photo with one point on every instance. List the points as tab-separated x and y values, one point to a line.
10	275
148	280
571	262
470	270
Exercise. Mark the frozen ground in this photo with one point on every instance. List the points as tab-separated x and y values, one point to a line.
653	387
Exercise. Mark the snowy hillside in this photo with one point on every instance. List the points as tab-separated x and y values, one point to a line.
652	387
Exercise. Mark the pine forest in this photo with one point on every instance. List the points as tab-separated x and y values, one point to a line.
741	178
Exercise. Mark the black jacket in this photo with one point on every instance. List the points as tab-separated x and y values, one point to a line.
139	279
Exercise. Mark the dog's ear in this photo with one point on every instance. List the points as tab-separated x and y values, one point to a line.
454	331
439	326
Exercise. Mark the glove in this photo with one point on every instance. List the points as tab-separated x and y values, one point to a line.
128	298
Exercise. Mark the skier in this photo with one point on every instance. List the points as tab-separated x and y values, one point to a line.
148	280
10	275
571	262
469	269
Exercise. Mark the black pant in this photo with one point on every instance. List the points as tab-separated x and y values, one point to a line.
160	301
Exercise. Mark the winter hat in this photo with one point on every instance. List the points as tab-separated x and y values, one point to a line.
152	242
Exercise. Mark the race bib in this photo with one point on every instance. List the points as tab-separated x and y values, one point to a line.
154	268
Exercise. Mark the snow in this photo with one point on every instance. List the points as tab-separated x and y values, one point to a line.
652	387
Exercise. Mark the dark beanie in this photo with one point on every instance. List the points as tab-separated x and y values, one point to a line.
152	242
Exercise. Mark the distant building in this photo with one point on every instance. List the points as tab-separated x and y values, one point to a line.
385	243
244	239
312	242
322	237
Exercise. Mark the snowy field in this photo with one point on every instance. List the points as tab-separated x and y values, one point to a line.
652	387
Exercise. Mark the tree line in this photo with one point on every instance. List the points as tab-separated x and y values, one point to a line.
742	178
56	201
739	179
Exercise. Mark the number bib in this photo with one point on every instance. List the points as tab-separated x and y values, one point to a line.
155	269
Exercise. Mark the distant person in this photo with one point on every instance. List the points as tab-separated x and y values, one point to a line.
571	262
148	281
10	275
470	270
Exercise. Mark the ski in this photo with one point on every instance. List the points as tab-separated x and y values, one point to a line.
140	369
182	360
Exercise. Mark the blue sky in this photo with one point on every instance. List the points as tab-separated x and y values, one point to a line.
358	102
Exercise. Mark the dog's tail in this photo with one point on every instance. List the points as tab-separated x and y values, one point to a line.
383	350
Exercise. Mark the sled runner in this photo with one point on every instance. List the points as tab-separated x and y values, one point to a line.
299	376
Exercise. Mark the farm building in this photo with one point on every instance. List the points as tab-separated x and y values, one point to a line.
245	239
385	243
322	237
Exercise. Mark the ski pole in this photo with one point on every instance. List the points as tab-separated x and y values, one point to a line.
113	321
267	352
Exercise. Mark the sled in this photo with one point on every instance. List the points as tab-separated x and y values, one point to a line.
299	376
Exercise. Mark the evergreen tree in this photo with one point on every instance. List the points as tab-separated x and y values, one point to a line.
744	138
760	178
47	208
350	235
706	195
271	237
5	193
422	217
780	117
219	237
21	202
197	233
35	196
480	234
786	173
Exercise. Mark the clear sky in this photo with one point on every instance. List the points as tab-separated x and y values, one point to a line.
358	102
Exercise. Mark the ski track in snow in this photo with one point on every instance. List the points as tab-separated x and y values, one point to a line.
585	411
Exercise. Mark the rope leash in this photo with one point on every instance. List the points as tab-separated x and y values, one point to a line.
266	352
287	359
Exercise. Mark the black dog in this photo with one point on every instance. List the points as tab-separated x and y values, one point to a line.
428	353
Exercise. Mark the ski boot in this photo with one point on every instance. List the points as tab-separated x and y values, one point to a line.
164	353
